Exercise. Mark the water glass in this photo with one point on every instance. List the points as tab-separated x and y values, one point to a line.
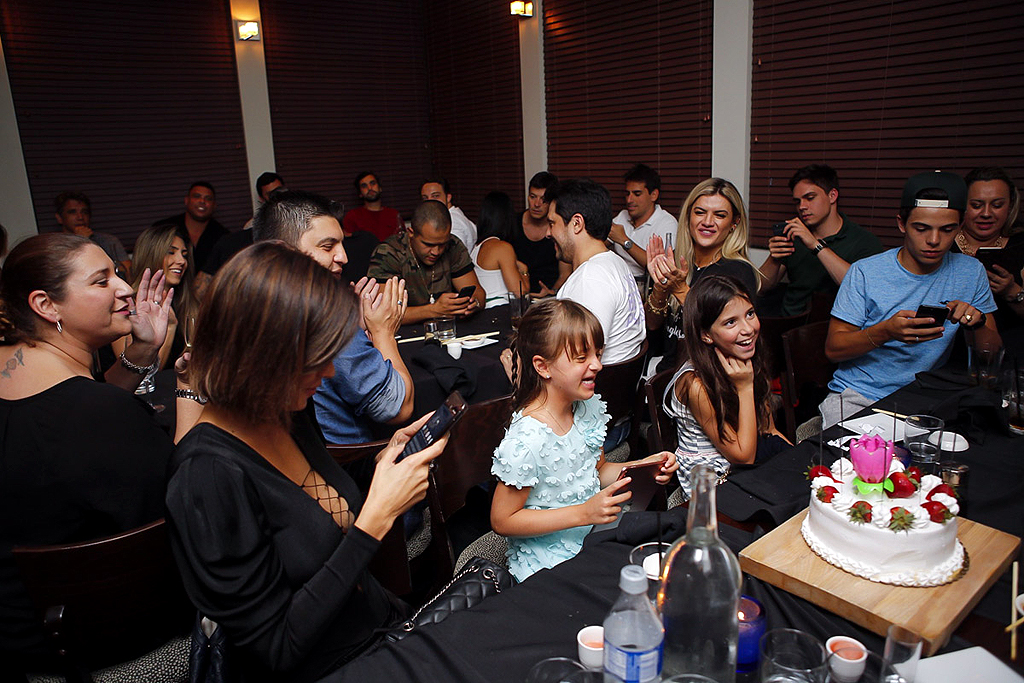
983	365
1013	399
922	435
903	651
651	557
444	329
517	306
792	656
854	665
553	670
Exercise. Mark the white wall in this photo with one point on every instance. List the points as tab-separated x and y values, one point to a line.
730	92
17	214
531	65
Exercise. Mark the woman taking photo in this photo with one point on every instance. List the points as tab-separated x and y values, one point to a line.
711	240
166	248
271	536
493	256
81	459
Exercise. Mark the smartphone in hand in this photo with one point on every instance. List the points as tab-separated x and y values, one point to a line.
779	229
439	424
644	484
939	313
466	291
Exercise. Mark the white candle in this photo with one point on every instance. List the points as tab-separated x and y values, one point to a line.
652	566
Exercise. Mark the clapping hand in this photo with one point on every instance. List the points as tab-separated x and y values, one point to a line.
383	312
149	310
661	265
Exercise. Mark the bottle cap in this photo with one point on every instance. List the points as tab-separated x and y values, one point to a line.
632	579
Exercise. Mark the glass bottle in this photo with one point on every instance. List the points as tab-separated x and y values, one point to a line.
700	592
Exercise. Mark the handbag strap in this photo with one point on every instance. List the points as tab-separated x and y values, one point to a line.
470	568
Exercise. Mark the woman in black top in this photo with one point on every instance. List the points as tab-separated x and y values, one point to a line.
270	534
711	240
81	459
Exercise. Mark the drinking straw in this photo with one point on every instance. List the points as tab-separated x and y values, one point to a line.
661	555
894	411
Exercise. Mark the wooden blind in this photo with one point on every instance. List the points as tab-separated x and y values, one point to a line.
128	103
881	90
628	84
348	93
476	115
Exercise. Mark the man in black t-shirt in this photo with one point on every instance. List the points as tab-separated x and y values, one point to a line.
203	229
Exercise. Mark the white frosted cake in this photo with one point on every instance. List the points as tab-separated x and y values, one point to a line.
908	540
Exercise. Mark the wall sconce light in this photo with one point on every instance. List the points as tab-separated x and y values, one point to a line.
247	30
521	9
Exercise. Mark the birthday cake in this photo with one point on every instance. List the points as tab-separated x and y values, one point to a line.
873	518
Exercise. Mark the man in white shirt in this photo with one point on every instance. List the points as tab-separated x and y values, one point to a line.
640	220
579	219
462	227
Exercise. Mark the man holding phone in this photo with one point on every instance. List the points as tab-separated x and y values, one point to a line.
436	267
882	333
816	247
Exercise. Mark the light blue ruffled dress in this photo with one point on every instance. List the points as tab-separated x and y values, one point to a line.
561	471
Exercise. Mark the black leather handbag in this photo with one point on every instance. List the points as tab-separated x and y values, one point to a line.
477	580
208	660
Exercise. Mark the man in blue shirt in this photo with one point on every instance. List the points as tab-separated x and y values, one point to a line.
371	381
875	334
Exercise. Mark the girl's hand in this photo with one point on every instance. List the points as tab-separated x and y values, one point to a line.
604	506
740	372
152	307
668	468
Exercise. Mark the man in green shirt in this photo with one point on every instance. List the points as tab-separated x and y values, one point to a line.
433	264
818	245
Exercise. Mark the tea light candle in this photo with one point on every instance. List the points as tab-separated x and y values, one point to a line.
752	627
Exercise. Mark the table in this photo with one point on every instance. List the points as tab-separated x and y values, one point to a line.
491	381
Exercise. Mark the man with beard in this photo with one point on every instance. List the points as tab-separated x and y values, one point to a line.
203	229
372	216
642	218
816	247
579	220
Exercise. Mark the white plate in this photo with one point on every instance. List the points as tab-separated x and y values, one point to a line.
875	423
951	441
477	343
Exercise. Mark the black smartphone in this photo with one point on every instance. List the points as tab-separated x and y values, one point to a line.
939	313
779	229
439	424
1010	259
467	291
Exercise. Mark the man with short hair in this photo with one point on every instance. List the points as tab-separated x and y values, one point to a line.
579	220
370	382
818	245
462	228
531	243
372	216
642	218
74	213
434	265
203	229
876	335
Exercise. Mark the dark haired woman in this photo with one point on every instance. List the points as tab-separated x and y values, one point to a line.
493	256
271	535
81	459
720	397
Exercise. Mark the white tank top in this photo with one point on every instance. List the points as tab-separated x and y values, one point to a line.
493	283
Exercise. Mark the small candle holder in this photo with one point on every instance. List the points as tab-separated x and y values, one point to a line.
752	627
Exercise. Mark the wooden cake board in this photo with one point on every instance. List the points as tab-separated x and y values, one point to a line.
783	559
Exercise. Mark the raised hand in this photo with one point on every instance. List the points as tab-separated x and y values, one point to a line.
383	312
739	372
151	306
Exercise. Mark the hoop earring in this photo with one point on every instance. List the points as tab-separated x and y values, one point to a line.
60	328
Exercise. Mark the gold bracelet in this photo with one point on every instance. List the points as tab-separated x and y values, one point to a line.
870	339
658	310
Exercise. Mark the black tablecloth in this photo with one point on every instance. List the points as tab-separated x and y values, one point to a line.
483	363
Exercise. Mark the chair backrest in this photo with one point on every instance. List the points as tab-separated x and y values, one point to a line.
390	564
662	434
772	330
464	464
821	306
805	363
617	384
109	600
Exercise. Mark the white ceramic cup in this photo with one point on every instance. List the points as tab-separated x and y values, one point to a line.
454	349
847	658
590	656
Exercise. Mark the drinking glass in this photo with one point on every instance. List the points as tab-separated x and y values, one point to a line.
588	676
903	651
792	656
553	670
652	566
1013	398
983	365
430	332
189	332
922	435
853	665
444	331
689	678
517	307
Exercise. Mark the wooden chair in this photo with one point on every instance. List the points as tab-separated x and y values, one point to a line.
464	464
391	565
108	600
821	306
618	384
772	330
805	363
662	434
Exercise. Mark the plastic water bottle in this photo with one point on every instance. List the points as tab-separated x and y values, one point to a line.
633	634
700	592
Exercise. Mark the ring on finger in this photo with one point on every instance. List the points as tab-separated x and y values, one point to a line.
664	280
968	317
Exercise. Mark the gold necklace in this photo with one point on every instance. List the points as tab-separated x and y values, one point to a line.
966	248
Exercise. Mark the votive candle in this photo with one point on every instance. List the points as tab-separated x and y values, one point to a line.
752	627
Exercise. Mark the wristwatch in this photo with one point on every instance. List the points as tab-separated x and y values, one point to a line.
1020	296
628	244
819	246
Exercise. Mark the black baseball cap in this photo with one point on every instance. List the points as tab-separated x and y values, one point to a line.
950	183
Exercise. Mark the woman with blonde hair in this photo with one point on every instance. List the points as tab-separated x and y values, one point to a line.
711	240
166	248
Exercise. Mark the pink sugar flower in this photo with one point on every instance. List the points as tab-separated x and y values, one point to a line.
871	456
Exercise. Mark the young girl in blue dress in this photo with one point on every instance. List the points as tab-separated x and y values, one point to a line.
720	397
554	482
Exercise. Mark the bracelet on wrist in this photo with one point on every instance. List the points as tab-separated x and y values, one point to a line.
191	395
138	369
870	339
657	309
